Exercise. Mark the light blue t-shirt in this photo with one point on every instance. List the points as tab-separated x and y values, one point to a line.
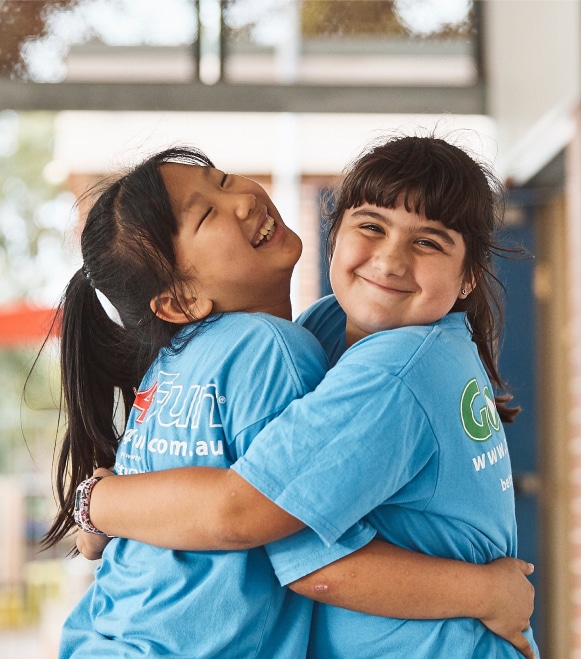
203	406
403	432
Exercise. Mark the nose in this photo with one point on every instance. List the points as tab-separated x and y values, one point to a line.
244	204
392	259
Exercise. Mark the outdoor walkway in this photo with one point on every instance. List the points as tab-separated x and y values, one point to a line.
21	645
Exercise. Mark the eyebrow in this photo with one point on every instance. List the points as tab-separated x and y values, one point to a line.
424	228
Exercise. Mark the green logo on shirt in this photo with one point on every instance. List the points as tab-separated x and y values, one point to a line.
478	422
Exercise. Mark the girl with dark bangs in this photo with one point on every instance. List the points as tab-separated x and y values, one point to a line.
404	432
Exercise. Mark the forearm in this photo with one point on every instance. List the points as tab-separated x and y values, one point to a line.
385	580
193	508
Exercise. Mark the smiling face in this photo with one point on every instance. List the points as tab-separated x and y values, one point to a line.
231	240
394	268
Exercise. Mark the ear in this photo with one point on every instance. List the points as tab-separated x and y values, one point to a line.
466	288
181	312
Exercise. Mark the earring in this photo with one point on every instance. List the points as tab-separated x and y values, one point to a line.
464	291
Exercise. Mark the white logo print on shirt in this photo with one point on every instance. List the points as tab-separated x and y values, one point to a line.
170	405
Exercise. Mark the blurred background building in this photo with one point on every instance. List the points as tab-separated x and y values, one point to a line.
288	91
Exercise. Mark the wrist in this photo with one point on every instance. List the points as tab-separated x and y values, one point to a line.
82	506
481	592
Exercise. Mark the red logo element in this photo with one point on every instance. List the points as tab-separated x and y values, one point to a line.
143	401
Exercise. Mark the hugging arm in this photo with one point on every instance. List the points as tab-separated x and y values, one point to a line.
202	508
386	580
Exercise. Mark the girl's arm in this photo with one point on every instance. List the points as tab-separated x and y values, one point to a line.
386	580
218	509
190	508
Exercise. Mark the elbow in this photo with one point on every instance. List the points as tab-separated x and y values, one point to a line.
244	518
234	534
235	524
315	586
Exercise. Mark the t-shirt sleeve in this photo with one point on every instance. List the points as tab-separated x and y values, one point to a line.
344	449
270	370
304	552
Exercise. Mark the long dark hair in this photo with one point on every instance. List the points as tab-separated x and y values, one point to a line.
433	177
128	255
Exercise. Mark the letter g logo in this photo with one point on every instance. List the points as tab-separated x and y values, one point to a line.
478	426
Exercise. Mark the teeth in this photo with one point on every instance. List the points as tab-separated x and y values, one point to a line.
266	231
267	226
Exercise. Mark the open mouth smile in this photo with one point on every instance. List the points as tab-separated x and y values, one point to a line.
265	232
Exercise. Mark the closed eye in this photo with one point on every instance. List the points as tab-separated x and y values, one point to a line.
205	215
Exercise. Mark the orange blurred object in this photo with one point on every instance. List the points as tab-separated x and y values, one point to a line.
21	325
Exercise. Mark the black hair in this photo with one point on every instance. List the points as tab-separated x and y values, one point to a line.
128	255
439	180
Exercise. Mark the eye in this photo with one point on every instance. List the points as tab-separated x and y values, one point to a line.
425	242
223	181
374	228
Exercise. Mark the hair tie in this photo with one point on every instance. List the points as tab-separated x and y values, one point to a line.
109	308
88	275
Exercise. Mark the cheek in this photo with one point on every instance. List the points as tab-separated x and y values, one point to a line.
347	254
337	277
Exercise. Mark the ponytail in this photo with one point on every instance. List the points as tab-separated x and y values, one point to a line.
97	366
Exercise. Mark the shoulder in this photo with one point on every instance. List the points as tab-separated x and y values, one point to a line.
322	314
257	327
247	328
266	346
400	349
327	321
320	310
253	348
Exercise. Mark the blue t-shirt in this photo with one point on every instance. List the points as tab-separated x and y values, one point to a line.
203	405
403	432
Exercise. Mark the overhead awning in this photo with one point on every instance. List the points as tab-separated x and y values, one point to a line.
22	325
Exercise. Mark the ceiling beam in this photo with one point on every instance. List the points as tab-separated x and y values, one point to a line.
227	97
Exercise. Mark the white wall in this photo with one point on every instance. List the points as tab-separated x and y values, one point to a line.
244	143
532	59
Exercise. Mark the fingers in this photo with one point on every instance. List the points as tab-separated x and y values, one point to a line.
89	554
528	568
524	647
91	546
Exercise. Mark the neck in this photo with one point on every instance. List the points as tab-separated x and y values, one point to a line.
352	334
281	309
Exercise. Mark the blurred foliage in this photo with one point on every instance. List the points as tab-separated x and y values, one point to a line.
26	225
28	421
349	18
21	20
382	19
28	425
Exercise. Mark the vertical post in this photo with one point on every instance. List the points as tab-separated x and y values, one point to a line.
573	192
209	41
286	172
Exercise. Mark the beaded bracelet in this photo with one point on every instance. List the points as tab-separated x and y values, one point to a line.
82	503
